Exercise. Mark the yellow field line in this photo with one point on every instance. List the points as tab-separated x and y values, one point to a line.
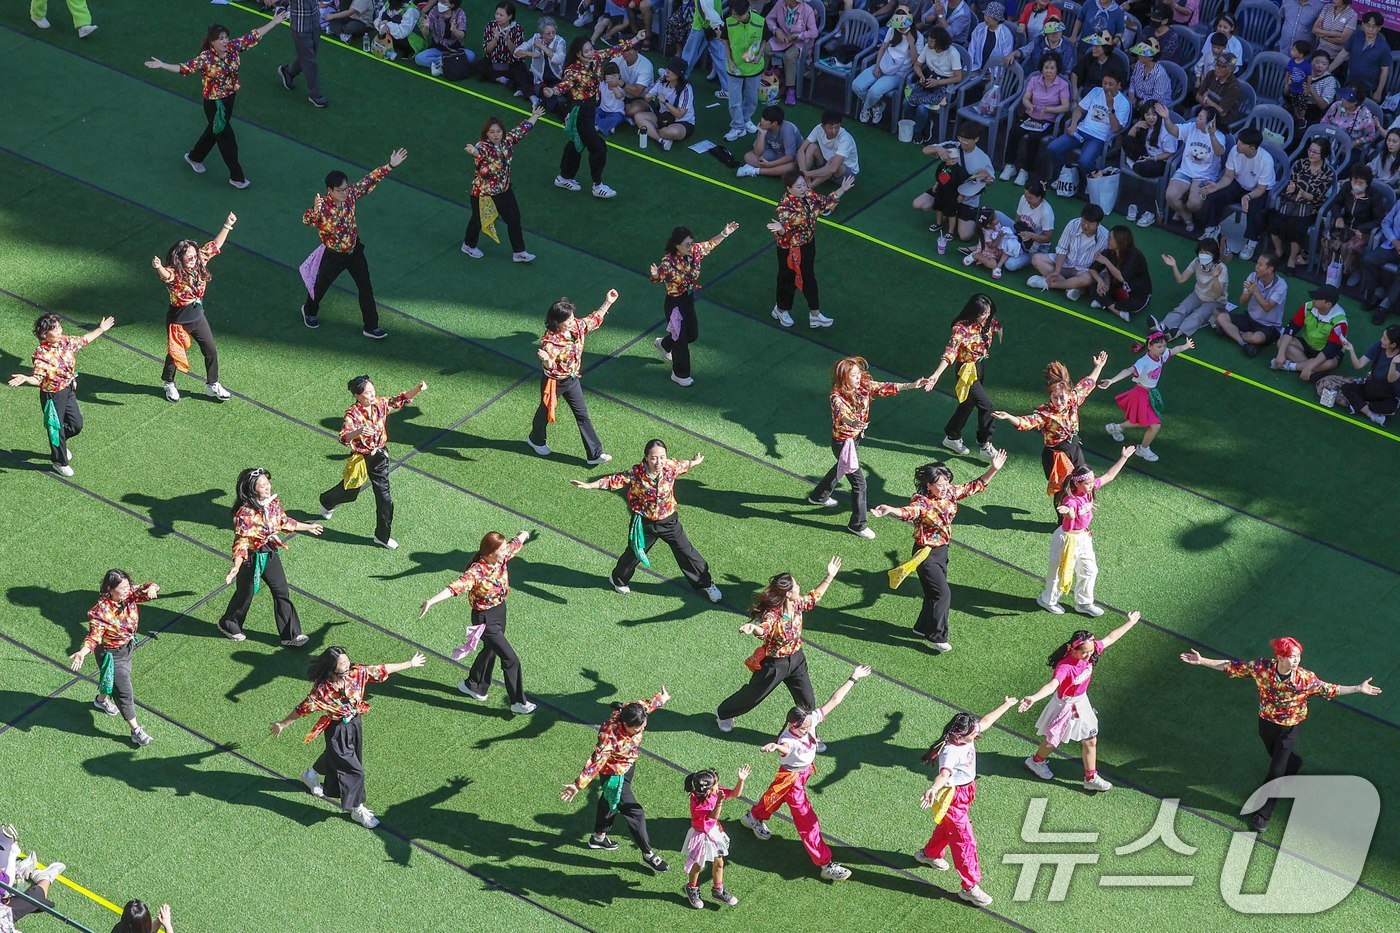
98	898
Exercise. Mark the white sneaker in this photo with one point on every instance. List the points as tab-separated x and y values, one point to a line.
969	259
1147	454
240	185
42	21
987	450
1097	783
435	69
541	449
584	19
523	709
746	171
941	646
864	115
666	144
391	544
62	469
217	391
1328	398
750	127
464	687
603	191
1146	219
712	593
48	873
975	896
1132	214
364	816
1037	281
955	444
758	827
1040	769
522	256
1375	418
1210	233
327	513
172	394
1008	172
85	31
817	319
828	501
622	588
1048	606
877	113
782	317
1074	294
660	350
197	166
312	780
832	871
725	725
1249	247
684	382
867	532
472	251
1022	177
568	184
935	863
1115	431
26	868
599	460
1092	610
734	134
1096	303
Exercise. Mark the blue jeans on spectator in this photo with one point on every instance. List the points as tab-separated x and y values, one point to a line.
428	56
743	99
695	43
872	90
607	121
1090	148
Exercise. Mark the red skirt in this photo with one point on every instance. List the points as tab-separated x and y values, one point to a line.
1137	406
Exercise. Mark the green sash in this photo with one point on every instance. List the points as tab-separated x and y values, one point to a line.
106	673
637	540
53	424
259	565
612	791
571	129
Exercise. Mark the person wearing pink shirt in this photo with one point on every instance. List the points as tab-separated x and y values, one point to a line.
793	25
706	840
1072	561
1068	717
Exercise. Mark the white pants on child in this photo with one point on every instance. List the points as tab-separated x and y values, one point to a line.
1086	567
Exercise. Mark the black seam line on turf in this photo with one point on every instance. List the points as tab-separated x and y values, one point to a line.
858	234
222	748
622	349
463	420
923	167
31	708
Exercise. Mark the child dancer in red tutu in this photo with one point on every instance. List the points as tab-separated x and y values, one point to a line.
1142	404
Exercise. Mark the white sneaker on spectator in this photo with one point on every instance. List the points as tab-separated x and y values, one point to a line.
828	501
1211	232
1022	177
782	317
296	642
26	868
603	191
666	144
172	394
1074	294
877	112
49	873
1146	219
240	185
1008	172
941	646
817	319
1095	304
327	513
750	128
864	115
584	19
722	94
1375	418
105	704
622	588
746	171
1037	281
734	134
472	251
1132	214
1249	247
568	184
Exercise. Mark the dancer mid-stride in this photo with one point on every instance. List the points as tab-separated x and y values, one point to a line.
338	695
679	272
968	349
951	796
795	232
579	87
851	392
561	353
1284	689
492	195
111	634
776	619
651	498
931	512
1069	717
186	276
614	759
366	433
798	746
1142	404
56	375
1073	564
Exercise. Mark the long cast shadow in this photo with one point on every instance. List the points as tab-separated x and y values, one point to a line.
192	508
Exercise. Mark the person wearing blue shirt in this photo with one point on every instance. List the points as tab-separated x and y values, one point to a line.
1368	54
1099	16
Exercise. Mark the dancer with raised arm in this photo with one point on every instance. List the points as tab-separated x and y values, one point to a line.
1142	404
112	625
492	194
1073	564
561	353
578	86
706	840
795	231
968	349
185	275
679	272
56	375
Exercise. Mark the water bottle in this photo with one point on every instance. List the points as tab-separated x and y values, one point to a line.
1334	271
369	40
991	99
942	244
642	139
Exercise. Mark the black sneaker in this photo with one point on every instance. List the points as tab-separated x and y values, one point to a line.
310	320
286	78
376	333
656	862
1379	317
601	842
1259	822
1250	350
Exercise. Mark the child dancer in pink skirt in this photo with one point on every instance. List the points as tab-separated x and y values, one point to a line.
706	840
1142	404
1068	717
1073	564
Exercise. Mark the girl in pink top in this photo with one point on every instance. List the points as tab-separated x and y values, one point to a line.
707	841
1073	564
1142	404
1068	717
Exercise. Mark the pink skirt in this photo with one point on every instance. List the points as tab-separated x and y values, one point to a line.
1137	406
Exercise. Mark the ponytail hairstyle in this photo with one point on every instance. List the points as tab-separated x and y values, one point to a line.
490	543
1056	374
1075	640
245	494
798	715
960	725
212	34
199	272
631	715
1079	476
1155	337
112	578
773	595
322	667
842	370
558	313
926	476
702	783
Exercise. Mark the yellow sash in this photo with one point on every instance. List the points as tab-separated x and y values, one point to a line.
356	474
489	213
941	803
898	574
967	375
1066	569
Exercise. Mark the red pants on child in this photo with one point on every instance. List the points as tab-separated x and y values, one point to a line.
790	787
955	834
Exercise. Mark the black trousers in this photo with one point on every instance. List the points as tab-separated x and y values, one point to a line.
1218	202
65	402
332	264
510	213
341	763
1374	276
494	645
857	480
588	133
669	530
377	464
275	580
304	60
1278	741
1375	394
791	670
787	279
938	599
226	141
570	390
516	73
977	398
690	332
631	811
203	338
1071	448
121	681
21	908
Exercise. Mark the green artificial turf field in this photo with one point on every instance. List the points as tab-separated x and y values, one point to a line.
1265	516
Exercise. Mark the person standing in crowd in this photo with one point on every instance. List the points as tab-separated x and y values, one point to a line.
968	349
304	16
185	276
583	75
366	432
679	272
333	217
1069	717
487	580
561	353
56	375
795	231
614	759
1142	404
112	625
258	523
651	498
78	9
218	62
745	58
1073	565
1058	421
492	195
706	840
776	619
1284	689
931	511
797	745
338	694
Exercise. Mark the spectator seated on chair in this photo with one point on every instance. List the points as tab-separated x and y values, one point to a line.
937	70
1099	116
953	15
1310	183
794	28
1159	27
1068	268
1385	164
1374	275
1250	173
893	63
1149	147
1222	92
1208	294
1034	15
1258	319
1351	117
1045	98
992	40
829	152
1149	81
1090	67
1051	39
1221	41
775	145
1101	16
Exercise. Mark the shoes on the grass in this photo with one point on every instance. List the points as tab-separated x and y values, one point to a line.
758	827
296	642
140	737
466	688
725	725
599	460
655	862
1092	610
172	394
660	350
391	544
937	864
197	166
523	709
601	842
692	897
364	816
867	532
374	333
541	449
782	317
1097	783
816	319
63	469
1115	431
312	780
1049	606
622	588
834	871
975	896
49	873
472	251
712	593
105	704
216	391
310	320
724	897
955	444
828	501
1040	769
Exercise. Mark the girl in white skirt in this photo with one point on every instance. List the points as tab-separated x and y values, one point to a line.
707	841
1073	565
1069	717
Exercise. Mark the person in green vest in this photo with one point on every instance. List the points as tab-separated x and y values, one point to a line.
745	42
1311	344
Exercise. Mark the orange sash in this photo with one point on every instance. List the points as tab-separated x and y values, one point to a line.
549	398
177	341
783	782
1060	469
755	661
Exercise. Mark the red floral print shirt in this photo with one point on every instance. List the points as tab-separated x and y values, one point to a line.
54	363
1282	700
970	343
220	73
652	497
932	516
680	271
1057	424
504	52
616	751
343	701
850	415
798	214
258	529
187	286
782	633
375	418
488	584
581	79
112	624
493	162
565	349
336	222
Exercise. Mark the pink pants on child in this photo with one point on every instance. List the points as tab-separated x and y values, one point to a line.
795	796
955	834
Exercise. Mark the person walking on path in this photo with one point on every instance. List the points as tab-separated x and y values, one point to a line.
561	354
56	375
492	195
679	272
112	625
968	349
1073	565
304	16
794	232
185	275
